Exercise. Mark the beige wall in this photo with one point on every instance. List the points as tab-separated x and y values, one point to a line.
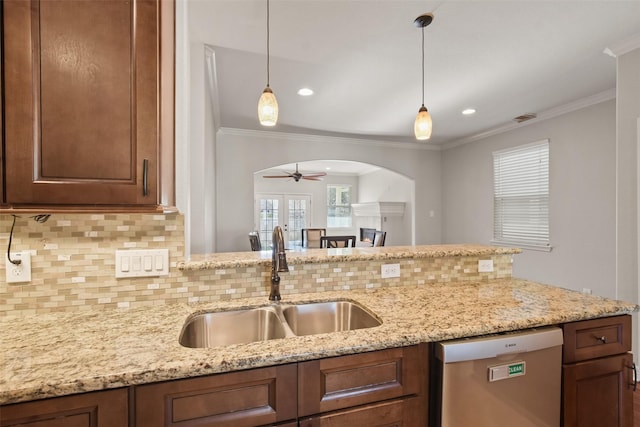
582	205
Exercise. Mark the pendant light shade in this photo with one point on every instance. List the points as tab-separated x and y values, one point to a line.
423	125
268	108
267	104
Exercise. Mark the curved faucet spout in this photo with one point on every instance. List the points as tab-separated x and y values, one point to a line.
278	263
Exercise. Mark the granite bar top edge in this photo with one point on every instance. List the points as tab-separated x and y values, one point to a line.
223	260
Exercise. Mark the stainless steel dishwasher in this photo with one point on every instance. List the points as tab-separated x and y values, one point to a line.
502	380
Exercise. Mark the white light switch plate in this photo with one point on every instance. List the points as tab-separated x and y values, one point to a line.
142	263
19	273
390	270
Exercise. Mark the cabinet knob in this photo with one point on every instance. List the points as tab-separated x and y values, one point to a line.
602	339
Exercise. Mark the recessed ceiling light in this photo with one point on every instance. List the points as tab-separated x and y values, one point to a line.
468	111
305	91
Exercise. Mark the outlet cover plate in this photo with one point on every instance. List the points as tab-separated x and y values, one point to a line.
18	273
390	270
485	266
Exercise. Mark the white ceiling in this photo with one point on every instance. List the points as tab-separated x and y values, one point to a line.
363	60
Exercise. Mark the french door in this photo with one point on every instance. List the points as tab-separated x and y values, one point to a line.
292	212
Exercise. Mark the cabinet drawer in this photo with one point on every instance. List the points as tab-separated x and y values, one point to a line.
400	412
96	409
245	398
345	381
589	339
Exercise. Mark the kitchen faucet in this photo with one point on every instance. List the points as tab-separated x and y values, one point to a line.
278	263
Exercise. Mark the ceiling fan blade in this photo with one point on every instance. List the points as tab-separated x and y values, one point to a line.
311	178
315	175
278	176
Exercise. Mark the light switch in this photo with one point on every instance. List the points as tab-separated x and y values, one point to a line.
159	264
135	263
142	263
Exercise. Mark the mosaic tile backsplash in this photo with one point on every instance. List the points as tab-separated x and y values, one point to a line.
73	265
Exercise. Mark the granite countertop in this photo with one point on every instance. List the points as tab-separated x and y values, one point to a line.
317	256
64	353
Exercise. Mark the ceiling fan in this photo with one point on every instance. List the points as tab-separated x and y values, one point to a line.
297	175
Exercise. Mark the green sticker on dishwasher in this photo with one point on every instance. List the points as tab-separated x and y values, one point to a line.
516	369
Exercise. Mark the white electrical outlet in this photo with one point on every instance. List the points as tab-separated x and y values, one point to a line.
390	270
485	266
19	273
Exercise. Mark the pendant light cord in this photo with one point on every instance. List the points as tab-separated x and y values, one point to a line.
423	66
267	43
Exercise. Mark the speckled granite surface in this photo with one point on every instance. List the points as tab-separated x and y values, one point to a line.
64	353
316	256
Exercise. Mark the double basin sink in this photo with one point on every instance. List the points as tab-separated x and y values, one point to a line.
213	329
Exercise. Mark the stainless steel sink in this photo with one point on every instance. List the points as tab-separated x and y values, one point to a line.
276	321
324	317
232	327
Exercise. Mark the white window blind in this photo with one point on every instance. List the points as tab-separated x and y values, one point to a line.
521	196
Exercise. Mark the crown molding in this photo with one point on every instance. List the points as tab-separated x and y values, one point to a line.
623	46
544	115
315	139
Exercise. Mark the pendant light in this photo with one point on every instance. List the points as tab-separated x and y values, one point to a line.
268	105
423	124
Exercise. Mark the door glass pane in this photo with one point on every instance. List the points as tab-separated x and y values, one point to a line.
297	217
269	211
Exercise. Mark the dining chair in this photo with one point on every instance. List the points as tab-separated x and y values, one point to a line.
254	239
379	238
338	241
311	237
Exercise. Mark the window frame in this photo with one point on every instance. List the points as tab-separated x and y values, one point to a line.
348	206
521	199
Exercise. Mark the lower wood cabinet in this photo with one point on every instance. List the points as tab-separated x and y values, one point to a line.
256	397
598	373
348	381
386	387
408	412
96	409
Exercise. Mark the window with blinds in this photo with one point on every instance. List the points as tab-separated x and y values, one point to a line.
521	196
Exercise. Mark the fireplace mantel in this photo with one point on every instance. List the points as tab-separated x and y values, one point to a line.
380	209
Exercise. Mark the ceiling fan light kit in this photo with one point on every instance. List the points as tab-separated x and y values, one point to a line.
423	125
267	104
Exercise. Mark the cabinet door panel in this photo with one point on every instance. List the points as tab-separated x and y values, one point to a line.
246	398
104	408
599	392
81	90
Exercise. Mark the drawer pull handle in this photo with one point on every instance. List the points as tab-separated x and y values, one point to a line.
602	339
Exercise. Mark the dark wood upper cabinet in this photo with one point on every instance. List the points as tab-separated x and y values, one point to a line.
83	92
